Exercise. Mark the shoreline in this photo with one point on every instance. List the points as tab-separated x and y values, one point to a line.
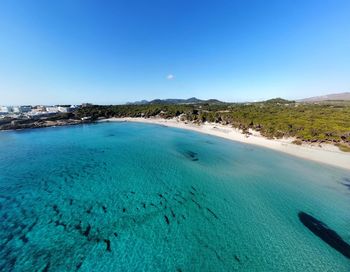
39	123
327	153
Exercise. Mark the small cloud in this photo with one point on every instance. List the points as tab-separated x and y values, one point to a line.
170	77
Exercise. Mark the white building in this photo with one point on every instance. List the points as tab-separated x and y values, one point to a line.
52	109
15	109
4	110
25	108
66	109
63	109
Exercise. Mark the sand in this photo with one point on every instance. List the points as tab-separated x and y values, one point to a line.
325	153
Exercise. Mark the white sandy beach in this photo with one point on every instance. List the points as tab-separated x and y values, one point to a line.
328	154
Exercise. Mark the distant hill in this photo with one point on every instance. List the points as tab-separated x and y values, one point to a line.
175	101
278	100
338	96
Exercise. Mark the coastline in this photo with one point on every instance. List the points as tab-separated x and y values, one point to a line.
39	123
327	153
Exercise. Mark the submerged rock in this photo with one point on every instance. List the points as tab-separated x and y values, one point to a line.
166	219
87	231
346	182
193	156
108	245
212	213
327	235
104	209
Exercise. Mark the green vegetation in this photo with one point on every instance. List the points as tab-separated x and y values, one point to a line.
275	118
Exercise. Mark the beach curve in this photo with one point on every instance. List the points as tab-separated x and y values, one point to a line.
325	153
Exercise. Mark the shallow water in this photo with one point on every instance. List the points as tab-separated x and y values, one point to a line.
132	197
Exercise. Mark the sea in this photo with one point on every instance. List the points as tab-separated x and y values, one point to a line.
127	196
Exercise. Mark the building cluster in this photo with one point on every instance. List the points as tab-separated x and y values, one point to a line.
30	111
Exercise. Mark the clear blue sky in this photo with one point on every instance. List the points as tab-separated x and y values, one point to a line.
69	51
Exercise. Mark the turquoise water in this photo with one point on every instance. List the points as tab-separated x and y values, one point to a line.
140	197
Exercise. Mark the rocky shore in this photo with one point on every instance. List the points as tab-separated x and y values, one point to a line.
41	122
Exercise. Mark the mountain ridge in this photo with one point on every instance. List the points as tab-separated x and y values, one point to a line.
327	97
192	100
344	96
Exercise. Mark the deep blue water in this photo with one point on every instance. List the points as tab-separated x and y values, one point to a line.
140	197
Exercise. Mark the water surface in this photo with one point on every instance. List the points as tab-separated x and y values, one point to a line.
132	197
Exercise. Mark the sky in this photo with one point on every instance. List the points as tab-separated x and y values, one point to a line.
112	52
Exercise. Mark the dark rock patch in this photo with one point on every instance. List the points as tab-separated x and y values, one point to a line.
166	219
32	226
87	231
78	226
180	196
24	239
346	182
108	245
237	259
178	201
104	209
195	202
326	234
59	223
79	265
193	156
89	210
46	268
55	208
212	213
9	238
12	261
